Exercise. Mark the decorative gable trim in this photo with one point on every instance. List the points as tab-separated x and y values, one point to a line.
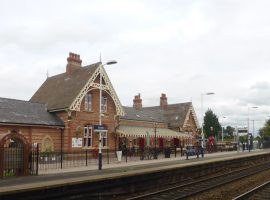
192	112
107	87
110	90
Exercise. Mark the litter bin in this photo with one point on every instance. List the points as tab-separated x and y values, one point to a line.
119	155
167	152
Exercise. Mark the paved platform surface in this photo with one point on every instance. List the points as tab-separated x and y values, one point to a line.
52	178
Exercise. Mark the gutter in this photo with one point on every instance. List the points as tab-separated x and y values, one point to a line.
35	125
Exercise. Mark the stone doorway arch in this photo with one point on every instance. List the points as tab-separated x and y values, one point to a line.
14	156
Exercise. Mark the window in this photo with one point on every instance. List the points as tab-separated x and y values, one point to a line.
104	139
87	140
88	102
104	104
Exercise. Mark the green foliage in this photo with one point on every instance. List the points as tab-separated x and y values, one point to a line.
229	130
258	138
243	138
227	138
9	173
265	131
211	120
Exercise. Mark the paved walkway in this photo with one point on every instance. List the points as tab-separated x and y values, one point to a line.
91	173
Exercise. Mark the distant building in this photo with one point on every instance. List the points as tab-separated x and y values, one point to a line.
242	131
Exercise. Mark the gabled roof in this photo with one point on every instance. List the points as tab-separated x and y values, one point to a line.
174	114
154	114
177	113
59	91
26	113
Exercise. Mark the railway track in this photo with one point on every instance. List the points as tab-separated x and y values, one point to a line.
190	189
261	192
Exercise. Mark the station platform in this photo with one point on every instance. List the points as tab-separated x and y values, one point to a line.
78	175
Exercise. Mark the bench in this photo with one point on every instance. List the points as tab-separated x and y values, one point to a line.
194	152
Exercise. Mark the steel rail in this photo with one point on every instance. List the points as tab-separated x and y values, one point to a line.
195	187
260	192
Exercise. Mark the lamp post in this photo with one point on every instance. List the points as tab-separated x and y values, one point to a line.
223	117
155	126
254	107
237	138
202	133
100	109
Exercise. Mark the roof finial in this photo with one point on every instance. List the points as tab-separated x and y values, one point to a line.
47	74
100	57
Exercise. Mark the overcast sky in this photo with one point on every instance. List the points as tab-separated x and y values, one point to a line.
181	48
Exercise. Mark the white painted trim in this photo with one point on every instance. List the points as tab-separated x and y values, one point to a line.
76	104
192	111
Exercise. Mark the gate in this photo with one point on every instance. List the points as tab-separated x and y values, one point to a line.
17	158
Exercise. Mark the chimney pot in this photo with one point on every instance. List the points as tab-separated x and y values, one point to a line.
137	102
163	101
74	62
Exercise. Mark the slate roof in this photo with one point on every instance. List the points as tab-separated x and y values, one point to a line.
14	111
59	91
154	114
174	114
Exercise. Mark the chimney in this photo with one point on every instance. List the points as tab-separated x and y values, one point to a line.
137	102
163	101
74	62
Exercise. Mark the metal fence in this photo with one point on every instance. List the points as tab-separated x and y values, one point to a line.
30	161
59	160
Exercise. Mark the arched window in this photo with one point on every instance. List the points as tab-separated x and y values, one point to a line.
47	144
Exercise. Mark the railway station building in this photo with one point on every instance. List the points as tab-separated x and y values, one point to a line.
64	114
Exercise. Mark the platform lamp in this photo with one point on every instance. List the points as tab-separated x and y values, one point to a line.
155	131
202	133
222	131
253	107
101	68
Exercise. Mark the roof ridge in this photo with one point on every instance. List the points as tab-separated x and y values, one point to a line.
22	101
188	102
83	67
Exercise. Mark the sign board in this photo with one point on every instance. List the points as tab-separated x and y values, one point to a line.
100	128
76	142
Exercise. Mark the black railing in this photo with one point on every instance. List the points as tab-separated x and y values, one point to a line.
30	161
12	161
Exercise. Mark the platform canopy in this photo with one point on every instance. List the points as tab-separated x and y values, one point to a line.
140	131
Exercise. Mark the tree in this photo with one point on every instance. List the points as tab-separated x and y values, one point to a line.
265	131
229	130
211	124
243	138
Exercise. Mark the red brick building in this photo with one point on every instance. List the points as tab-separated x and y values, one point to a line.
168	124
62	114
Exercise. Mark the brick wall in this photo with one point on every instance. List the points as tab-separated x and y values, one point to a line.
78	120
34	134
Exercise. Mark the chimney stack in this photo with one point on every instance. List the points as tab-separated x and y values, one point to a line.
163	101
74	62
137	102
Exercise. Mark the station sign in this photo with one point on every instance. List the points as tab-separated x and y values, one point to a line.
100	128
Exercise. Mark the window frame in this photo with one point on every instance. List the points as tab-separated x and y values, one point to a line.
104	104
88	136
104	139
88	102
